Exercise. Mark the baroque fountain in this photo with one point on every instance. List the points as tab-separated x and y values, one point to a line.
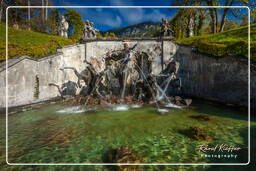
115	80
124	78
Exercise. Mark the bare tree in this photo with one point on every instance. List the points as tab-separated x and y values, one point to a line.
213	15
1	9
46	10
224	16
235	11
29	17
43	10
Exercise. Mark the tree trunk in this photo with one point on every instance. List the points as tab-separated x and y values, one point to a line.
29	11
213	17
224	16
223	21
43	10
213	23
216	19
29	16
1	9
46	10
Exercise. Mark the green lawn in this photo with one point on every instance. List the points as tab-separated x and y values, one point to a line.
36	45
233	42
33	44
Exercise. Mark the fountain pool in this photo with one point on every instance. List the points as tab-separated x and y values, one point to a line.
45	135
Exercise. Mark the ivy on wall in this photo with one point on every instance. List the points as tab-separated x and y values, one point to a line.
36	92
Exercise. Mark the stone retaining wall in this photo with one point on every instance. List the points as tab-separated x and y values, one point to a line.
222	79
29	79
23	85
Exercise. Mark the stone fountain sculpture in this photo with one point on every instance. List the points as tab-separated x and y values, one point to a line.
127	75
63	27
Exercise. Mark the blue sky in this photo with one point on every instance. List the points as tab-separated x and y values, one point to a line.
106	19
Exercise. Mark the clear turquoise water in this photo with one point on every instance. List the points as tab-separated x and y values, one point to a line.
45	136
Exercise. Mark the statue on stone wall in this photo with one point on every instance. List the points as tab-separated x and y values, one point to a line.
89	32
63	28
191	27
166	30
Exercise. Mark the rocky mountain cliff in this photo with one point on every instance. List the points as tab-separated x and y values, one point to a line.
145	29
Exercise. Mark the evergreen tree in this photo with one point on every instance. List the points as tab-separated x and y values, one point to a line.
76	23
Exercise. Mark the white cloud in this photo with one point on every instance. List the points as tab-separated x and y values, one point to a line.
156	15
120	16
136	15
113	22
101	17
121	3
99	9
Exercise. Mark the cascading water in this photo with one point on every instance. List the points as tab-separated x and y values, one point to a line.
155	100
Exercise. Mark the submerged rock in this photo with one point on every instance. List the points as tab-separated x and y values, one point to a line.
197	133
202	117
123	154
61	137
180	101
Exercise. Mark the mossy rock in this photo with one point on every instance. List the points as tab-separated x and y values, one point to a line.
123	154
202	117
197	133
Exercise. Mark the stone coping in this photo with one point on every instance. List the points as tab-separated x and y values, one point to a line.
127	39
18	59
15	60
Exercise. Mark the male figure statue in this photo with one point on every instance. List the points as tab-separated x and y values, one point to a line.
166	30
63	27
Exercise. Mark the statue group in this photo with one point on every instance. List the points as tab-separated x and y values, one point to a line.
89	31
166	29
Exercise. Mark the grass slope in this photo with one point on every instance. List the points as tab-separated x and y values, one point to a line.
230	42
33	44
